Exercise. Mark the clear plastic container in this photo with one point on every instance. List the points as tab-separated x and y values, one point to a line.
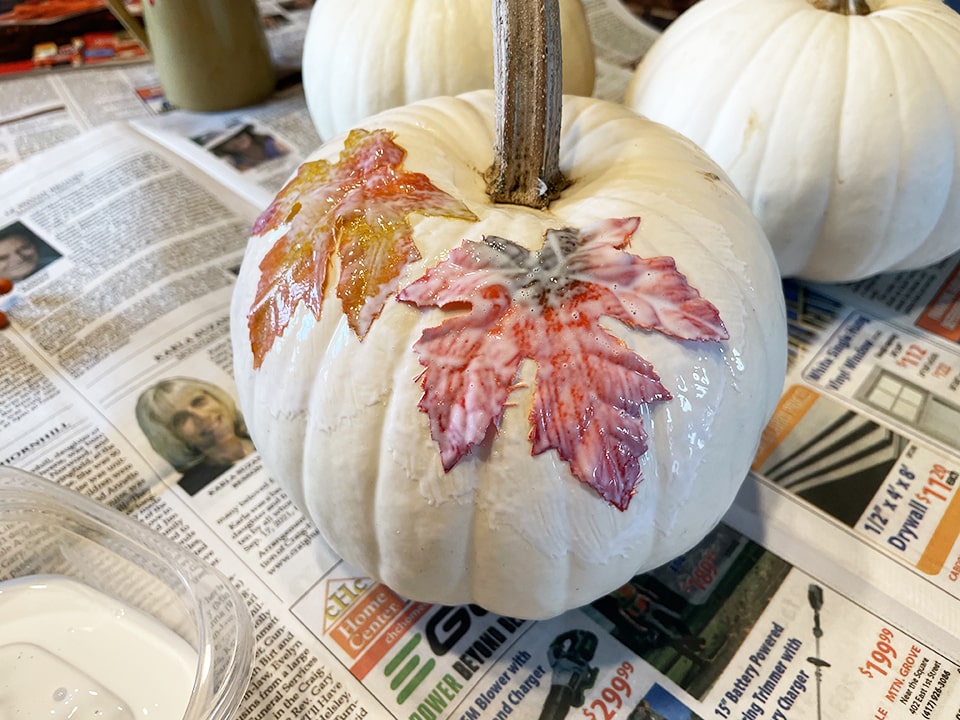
46	529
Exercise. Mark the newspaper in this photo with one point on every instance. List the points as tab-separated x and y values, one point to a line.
41	109
37	37
40	36
620	39
867	433
828	591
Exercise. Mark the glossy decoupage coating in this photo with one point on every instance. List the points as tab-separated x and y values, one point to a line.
504	521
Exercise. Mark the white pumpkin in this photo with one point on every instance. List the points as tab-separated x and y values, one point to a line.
364	56
841	130
336	418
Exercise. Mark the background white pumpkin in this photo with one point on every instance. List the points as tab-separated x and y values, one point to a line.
336	418
364	56
842	131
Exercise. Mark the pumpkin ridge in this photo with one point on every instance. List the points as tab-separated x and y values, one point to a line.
890	209
373	508
900	196
731	273
377	506
930	19
902	13
837	135
795	69
444	120
767	42
701	14
344	82
843	236
408	58
768	167
942	237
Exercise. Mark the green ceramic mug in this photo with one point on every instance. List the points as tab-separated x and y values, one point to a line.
209	54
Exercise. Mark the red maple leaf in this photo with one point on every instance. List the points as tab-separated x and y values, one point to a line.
356	208
546	306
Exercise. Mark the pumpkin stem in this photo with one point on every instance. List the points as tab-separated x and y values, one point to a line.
527	84
844	7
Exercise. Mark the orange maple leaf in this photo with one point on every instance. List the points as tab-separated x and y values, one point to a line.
356	208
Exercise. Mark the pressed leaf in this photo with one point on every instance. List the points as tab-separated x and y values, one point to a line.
546	306
355	209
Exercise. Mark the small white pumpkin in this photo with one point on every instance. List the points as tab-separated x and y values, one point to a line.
464	395
840	125
364	56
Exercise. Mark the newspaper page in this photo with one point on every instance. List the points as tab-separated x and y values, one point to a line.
620	40
253	150
41	109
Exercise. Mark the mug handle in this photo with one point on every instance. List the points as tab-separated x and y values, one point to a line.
134	26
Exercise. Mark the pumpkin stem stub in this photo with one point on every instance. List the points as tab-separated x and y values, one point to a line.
528	88
843	7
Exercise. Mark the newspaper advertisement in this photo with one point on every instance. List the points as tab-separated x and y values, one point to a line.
866	430
729	630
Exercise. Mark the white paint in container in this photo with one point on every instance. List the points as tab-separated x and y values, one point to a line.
69	651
